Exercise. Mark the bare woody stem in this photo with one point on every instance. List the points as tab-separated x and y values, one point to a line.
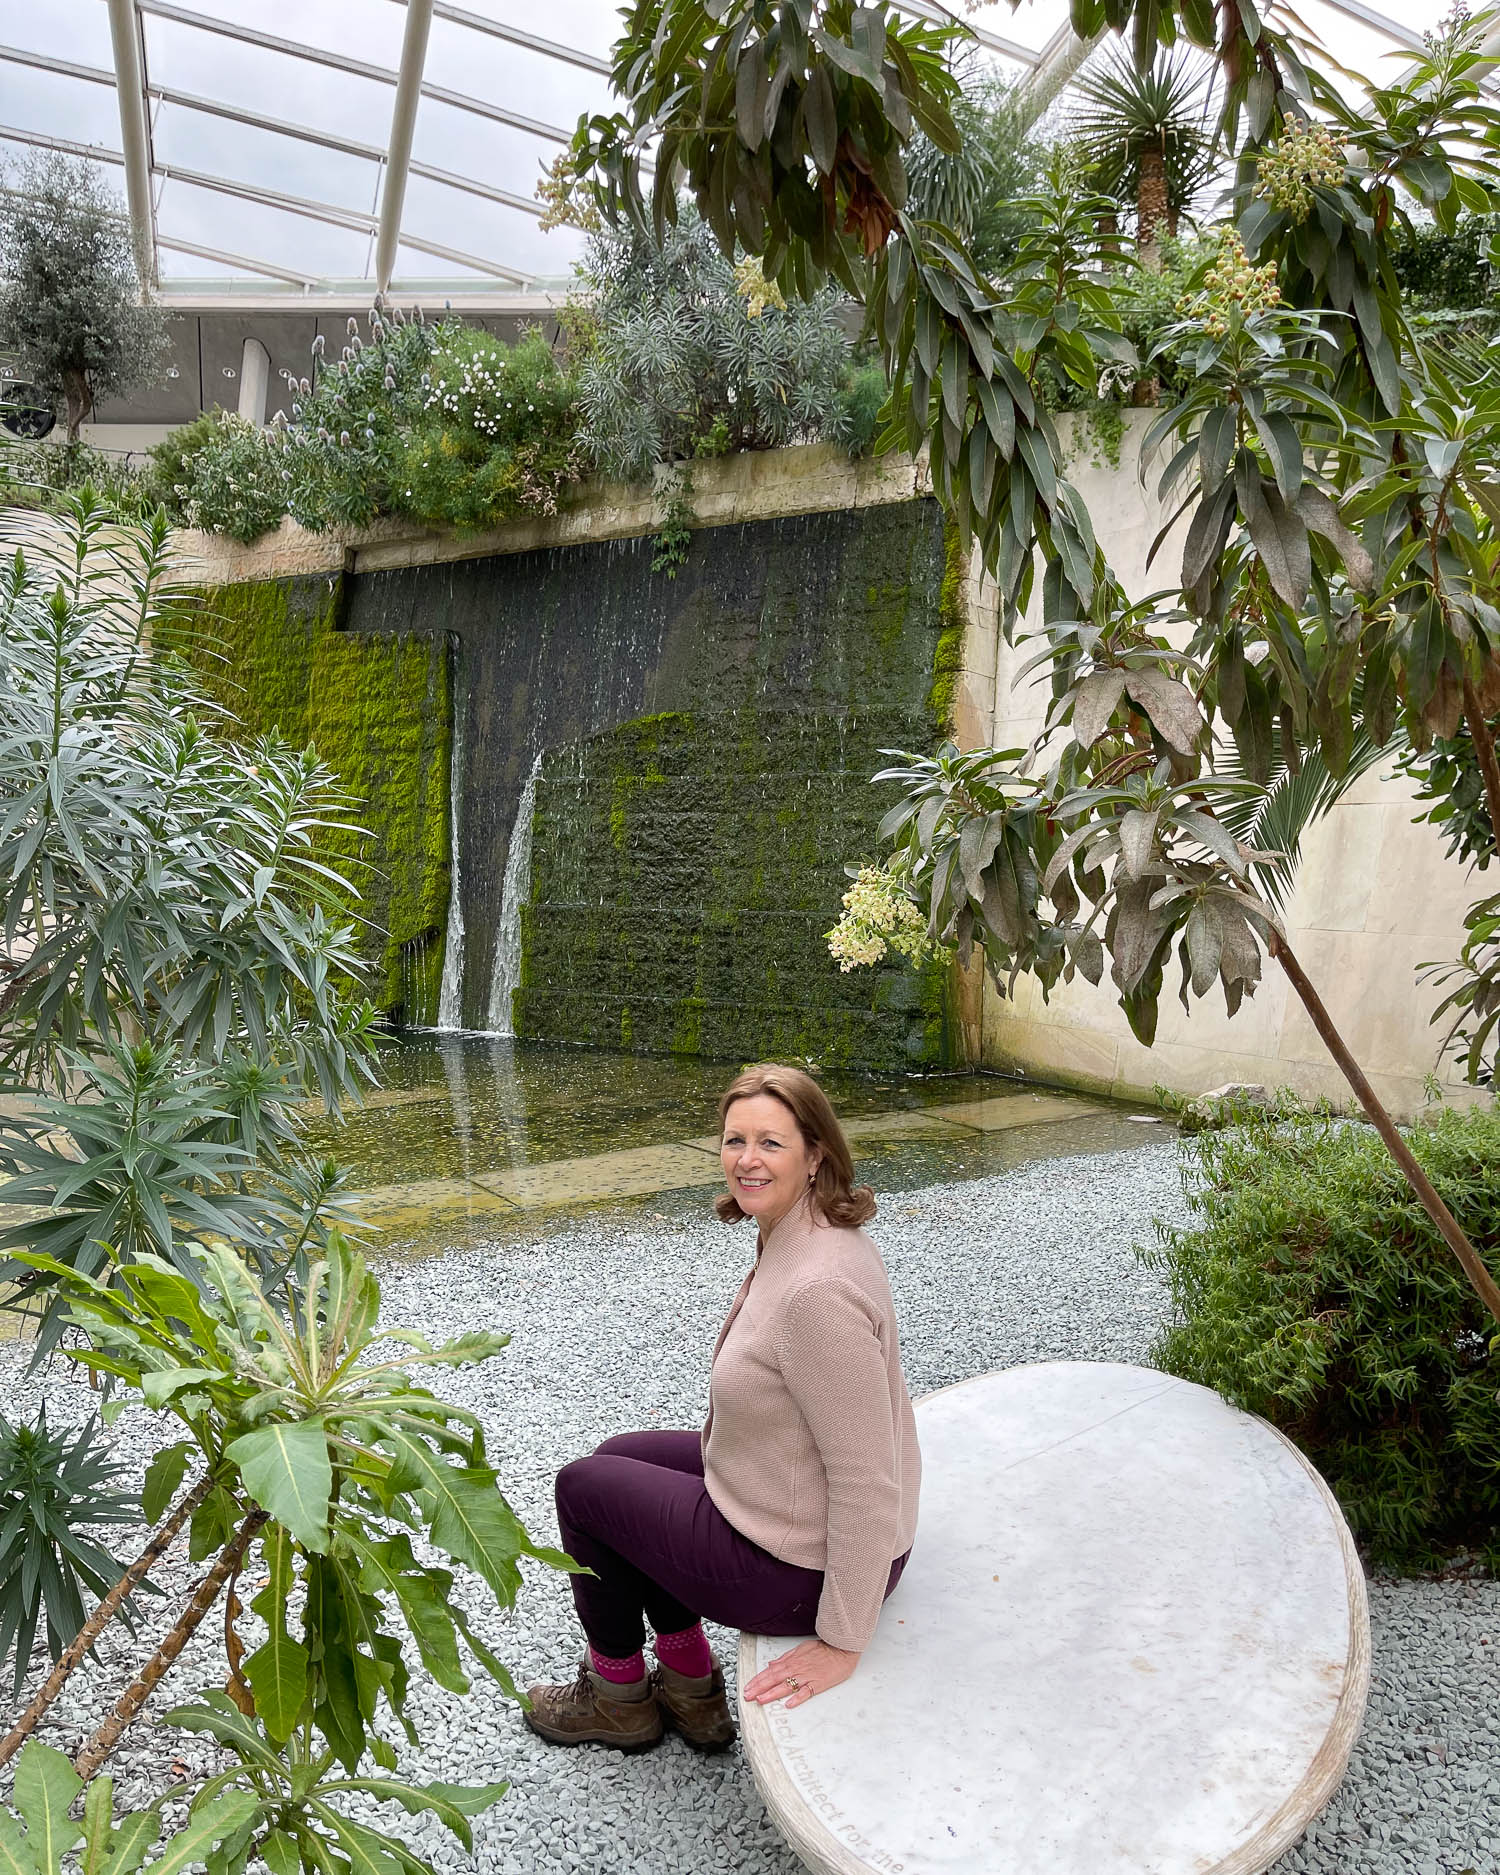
165	1536
1484	749
107	1736
1484	1284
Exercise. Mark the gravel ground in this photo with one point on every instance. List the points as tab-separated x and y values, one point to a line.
613	1322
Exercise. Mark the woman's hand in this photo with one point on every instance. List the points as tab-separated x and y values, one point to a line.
811	1667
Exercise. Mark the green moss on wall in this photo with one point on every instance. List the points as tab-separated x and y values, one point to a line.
953	607
377	709
688	864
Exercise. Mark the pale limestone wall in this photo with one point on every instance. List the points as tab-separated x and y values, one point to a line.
1375	898
757	485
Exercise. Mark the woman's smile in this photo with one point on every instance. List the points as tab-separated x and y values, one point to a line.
767	1164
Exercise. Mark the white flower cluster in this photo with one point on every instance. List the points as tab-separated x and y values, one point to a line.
878	916
755	289
473	390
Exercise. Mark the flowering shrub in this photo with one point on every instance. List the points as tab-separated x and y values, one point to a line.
497	433
879	916
440	424
235	482
1230	286
1304	157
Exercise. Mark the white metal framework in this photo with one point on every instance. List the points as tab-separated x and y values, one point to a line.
436	146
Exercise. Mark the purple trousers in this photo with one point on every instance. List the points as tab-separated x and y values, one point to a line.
639	1514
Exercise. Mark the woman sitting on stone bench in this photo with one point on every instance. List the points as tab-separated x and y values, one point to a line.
793	1511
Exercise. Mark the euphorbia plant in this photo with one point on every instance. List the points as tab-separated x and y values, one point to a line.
327	1457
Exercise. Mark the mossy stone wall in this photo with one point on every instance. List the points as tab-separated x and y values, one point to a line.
686	868
687	863
378	712
706	742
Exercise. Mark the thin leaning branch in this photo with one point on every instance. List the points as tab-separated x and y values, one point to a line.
108	1735
1484	750
165	1536
1483	1283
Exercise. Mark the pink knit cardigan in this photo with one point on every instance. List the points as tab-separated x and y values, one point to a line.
810	1449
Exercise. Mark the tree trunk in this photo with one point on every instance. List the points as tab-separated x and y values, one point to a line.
1151	206
1484	1284
1484	750
80	401
107	1736
160	1543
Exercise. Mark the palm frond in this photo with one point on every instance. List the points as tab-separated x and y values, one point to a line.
1274	820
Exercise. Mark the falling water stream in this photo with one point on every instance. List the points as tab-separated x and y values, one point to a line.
514	891
450	1010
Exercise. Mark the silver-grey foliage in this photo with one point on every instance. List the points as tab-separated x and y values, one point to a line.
70	299
174	970
680	359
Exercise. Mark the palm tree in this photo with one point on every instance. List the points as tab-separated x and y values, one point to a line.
1145	139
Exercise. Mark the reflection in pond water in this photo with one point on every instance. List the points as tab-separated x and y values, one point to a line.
469	1135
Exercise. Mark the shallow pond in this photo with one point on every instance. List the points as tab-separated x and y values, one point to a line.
470	1137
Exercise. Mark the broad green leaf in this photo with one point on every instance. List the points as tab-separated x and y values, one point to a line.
163	1475
285	1468
200	1833
470	1519
15	1853
132	1842
277	1672
45	1787
279	1853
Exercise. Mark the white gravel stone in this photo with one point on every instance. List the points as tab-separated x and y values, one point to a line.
613	1323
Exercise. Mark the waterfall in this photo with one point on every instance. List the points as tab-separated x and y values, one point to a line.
450	1011
514	893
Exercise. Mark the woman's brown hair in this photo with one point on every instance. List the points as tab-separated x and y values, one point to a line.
834	1191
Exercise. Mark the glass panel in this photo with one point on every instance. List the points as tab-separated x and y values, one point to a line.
590	25
370	31
473	146
261	232
59	107
419	269
487	230
526	82
65	29
188	59
218	146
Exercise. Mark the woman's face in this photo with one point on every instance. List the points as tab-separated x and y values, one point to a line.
767	1165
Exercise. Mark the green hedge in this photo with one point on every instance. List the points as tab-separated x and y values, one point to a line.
1315	1291
377	709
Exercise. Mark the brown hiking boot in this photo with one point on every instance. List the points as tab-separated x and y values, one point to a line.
695	1707
593	1710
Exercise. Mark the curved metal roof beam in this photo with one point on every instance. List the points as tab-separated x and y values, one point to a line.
356	68
135	134
258	120
403	126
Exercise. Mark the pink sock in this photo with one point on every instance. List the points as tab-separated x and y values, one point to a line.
621	1672
686	1652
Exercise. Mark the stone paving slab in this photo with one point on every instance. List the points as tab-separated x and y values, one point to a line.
630	1174
1007	1110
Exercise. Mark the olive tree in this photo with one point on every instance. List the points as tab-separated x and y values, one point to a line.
1339	563
71	303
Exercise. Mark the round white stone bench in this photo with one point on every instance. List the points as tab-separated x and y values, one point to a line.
1132	1639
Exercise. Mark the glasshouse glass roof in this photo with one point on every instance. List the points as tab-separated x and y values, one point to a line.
297	146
